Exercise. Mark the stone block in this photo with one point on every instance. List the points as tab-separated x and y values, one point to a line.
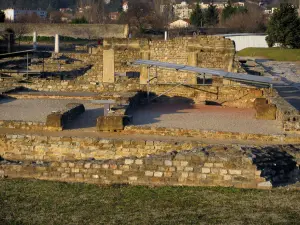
118	172
129	161
168	163
139	162
132	178
227	177
264	110
158	174
54	120
208	164
265	185
235	172
110	123
205	170
149	173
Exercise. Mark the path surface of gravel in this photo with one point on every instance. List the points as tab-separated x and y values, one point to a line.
205	118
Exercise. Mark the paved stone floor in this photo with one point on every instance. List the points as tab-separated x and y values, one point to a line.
36	110
204	117
289	72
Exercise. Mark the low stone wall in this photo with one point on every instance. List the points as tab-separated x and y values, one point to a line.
234	96
35	147
208	134
88	31
286	113
24	125
57	120
212	166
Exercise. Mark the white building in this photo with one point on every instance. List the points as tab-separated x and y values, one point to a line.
179	24
125	6
182	10
14	14
219	5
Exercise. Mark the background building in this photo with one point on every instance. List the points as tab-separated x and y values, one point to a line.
14	14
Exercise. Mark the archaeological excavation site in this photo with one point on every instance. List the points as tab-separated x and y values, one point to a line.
183	111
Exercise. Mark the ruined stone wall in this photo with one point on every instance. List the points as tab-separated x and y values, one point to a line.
35	147
246	167
286	113
202	51
235	96
192	169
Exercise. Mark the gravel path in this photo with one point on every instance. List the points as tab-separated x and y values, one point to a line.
36	110
205	118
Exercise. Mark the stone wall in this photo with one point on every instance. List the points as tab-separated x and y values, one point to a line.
88	31
202	51
24	125
209	134
210	166
286	113
235	96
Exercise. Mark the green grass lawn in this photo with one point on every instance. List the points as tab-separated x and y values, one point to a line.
278	54
44	202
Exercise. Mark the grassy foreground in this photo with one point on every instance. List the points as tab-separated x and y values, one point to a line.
44	202
278	54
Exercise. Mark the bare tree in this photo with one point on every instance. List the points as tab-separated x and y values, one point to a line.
251	21
20	29
93	10
55	17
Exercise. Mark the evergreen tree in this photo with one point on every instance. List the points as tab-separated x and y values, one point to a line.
197	17
284	27
2	16
211	15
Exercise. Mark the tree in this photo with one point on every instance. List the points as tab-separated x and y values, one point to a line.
211	15
2	16
284	27
20	29
197	18
140	16
252	21
230	10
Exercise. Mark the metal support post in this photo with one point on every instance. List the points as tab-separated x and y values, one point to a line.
27	66
204	78
43	63
148	85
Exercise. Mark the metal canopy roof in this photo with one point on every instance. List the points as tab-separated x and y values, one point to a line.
221	73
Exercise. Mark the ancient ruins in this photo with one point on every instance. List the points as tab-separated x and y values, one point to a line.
99	117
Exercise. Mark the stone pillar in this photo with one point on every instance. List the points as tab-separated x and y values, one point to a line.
108	66
166	35
193	61
144	70
34	40
56	49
